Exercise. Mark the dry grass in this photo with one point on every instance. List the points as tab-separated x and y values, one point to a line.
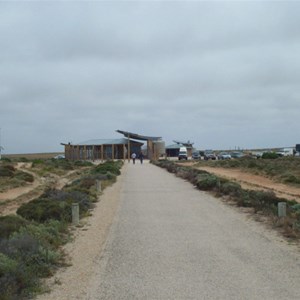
31	156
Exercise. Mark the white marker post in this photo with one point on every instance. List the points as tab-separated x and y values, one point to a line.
75	214
98	186
282	209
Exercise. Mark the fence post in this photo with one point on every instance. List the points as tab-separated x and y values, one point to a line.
98	185
75	213
282	209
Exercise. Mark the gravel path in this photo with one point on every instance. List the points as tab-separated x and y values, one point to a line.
171	241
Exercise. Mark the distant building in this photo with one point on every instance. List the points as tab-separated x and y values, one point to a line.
102	149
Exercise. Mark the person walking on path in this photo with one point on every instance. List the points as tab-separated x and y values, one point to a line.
133	156
141	157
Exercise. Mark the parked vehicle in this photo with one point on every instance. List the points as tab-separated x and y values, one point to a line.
196	155
224	155
236	154
182	153
285	152
209	154
257	154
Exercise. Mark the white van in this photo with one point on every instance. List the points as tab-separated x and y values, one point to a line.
182	153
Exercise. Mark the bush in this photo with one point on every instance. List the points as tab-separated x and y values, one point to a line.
290	178
10	224
108	166
48	234
7	171
7	265
231	188
42	210
27	255
24	176
80	163
55	205
23	159
5	159
25	260
207	182
270	155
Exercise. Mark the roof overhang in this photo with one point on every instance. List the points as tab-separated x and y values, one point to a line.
136	136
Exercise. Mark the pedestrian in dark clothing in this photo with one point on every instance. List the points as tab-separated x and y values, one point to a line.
141	157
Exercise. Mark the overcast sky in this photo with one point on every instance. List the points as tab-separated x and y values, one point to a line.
220	74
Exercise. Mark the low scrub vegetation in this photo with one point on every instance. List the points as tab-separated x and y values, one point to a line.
283	169
10	177
261	201
30	242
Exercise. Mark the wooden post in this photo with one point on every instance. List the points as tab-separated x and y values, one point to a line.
112	152
128	149
75	213
124	148
102	152
84	152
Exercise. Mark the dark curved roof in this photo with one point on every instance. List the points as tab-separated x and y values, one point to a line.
138	137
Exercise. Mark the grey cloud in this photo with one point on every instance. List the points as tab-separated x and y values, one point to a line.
221	74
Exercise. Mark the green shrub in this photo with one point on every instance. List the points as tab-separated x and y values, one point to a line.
290	178
231	188
24	176
80	163
37	162
10	224
7	170
48	234
23	159
26	252
42	210
270	155
55	205
7	265
108	166
207	182
5	159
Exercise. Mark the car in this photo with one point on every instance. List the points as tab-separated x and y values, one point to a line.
257	154
224	155
196	155
236	154
182	153
60	156
209	154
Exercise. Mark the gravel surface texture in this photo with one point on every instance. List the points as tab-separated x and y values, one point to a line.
171	241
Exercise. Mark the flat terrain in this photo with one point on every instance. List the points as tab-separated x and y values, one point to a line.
250	181
171	241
